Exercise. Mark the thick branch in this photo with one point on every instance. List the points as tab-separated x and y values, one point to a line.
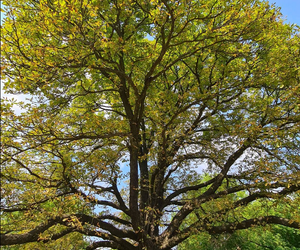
186	189
34	234
31	236
230	228
97	244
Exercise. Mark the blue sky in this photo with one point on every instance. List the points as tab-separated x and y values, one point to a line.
290	10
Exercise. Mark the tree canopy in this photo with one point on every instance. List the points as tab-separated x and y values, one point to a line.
276	237
131	103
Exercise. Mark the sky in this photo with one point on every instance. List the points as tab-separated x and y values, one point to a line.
290	10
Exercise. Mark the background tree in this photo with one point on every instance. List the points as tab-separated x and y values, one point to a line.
274	237
130	100
261	237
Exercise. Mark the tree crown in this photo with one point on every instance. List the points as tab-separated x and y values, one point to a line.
132	102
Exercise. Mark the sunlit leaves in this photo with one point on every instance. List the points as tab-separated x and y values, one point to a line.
132	99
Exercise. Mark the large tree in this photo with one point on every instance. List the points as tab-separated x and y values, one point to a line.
131	101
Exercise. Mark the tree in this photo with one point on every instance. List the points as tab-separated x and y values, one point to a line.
261	237
130	100
274	237
13	222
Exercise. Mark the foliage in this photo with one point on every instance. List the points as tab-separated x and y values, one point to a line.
276	237
132	101
262	237
73	241
19	220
